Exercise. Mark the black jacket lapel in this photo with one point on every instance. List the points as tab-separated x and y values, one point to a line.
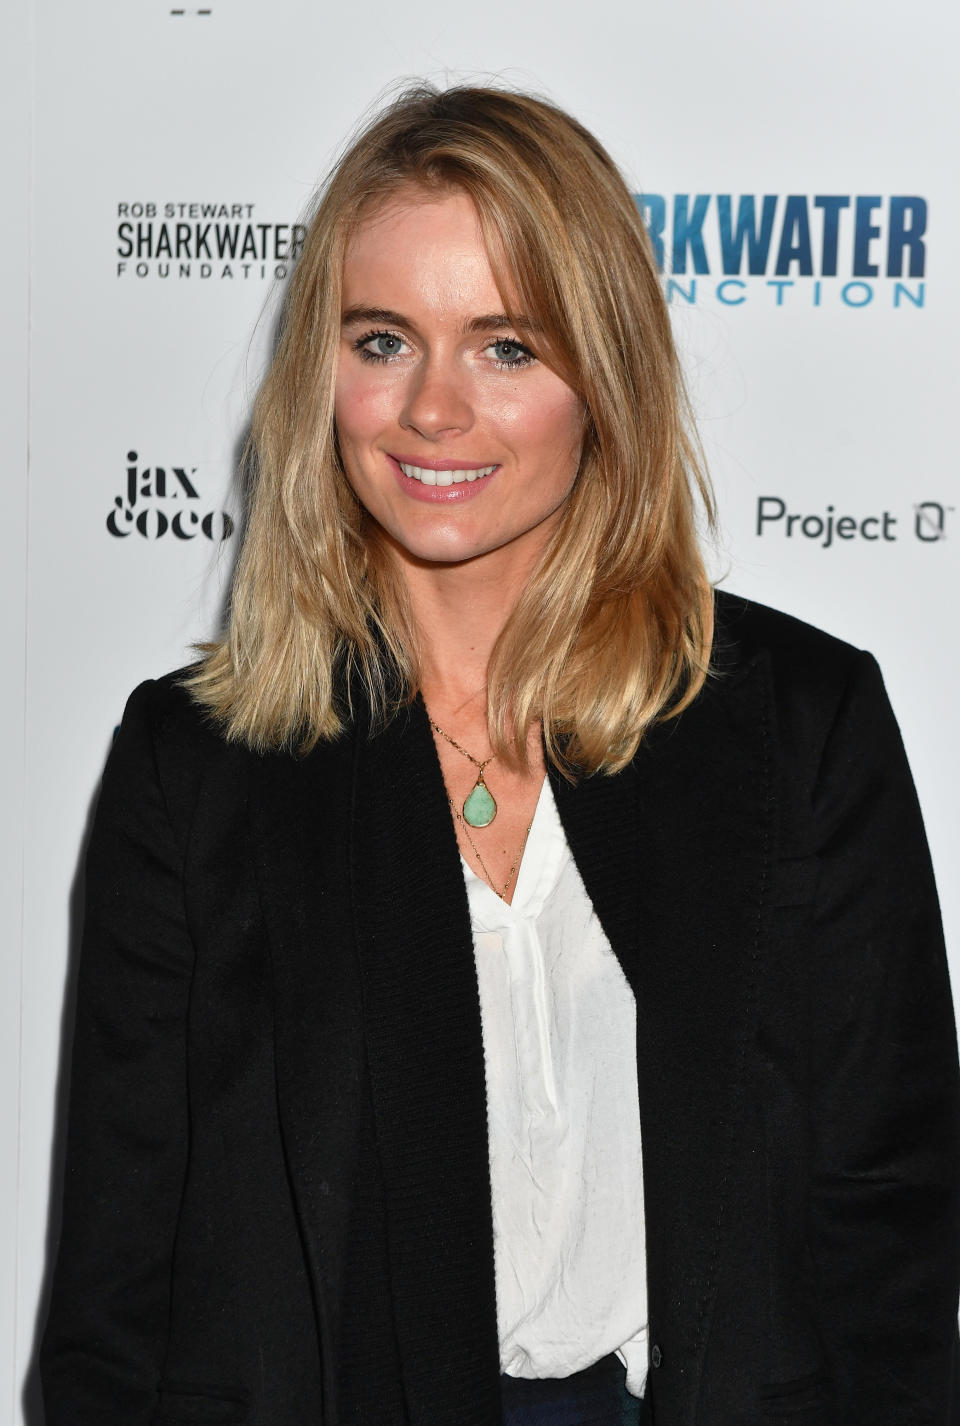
687	826
425	1052
300	813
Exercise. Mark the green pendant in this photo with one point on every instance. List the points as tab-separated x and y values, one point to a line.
479	809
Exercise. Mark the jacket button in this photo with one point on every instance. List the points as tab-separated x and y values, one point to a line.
656	1356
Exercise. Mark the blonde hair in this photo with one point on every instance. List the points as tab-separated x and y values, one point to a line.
613	630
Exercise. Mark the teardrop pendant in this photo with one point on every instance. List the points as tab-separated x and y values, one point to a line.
479	809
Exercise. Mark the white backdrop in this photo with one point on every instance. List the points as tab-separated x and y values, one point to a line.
815	389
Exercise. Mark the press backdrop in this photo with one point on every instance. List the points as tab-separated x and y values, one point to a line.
797	169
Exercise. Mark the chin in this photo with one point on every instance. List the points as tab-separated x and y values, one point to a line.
429	549
442	555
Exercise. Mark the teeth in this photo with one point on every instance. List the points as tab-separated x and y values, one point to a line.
445	477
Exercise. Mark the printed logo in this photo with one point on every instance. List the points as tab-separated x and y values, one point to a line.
790	250
219	241
160	501
927	522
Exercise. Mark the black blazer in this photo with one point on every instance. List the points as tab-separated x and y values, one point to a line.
277	1206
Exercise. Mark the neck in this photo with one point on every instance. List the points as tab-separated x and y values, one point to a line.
459	616
460	611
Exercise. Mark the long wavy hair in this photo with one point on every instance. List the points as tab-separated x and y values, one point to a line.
613	630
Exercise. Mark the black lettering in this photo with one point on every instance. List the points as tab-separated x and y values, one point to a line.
132	477
299	235
159	523
189	489
227	237
217	525
763	517
112	519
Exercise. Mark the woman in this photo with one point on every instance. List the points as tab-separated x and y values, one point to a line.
488	838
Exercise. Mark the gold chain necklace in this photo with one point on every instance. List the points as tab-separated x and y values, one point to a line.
479	808
483	867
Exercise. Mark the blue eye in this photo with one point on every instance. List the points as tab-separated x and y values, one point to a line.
379	346
509	352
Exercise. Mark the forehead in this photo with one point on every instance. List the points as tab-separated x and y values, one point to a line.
426	244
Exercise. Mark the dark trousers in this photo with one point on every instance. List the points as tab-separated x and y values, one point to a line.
595	1397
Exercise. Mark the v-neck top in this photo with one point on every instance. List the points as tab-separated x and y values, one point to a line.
559	1037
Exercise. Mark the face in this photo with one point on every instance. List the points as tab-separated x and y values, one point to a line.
459	442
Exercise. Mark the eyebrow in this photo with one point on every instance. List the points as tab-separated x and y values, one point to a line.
490	321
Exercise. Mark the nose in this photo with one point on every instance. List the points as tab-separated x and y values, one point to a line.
437	402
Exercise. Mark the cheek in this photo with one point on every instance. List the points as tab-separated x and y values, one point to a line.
361	406
550	424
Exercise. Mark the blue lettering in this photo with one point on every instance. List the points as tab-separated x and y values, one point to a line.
831	205
722	291
863	288
863	235
906	235
795	238
732	239
900	290
653	211
780	285
745	225
674	289
688	232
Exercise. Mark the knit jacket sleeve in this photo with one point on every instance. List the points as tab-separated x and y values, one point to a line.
885	1208
102	1353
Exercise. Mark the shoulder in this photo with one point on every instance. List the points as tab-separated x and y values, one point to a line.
813	683
801	662
746	631
164	711
168	741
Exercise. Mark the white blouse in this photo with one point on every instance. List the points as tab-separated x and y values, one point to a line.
559	1035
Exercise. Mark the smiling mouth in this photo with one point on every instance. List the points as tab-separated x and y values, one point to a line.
427	476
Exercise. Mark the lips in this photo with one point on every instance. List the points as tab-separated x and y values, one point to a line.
445	474
442	482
